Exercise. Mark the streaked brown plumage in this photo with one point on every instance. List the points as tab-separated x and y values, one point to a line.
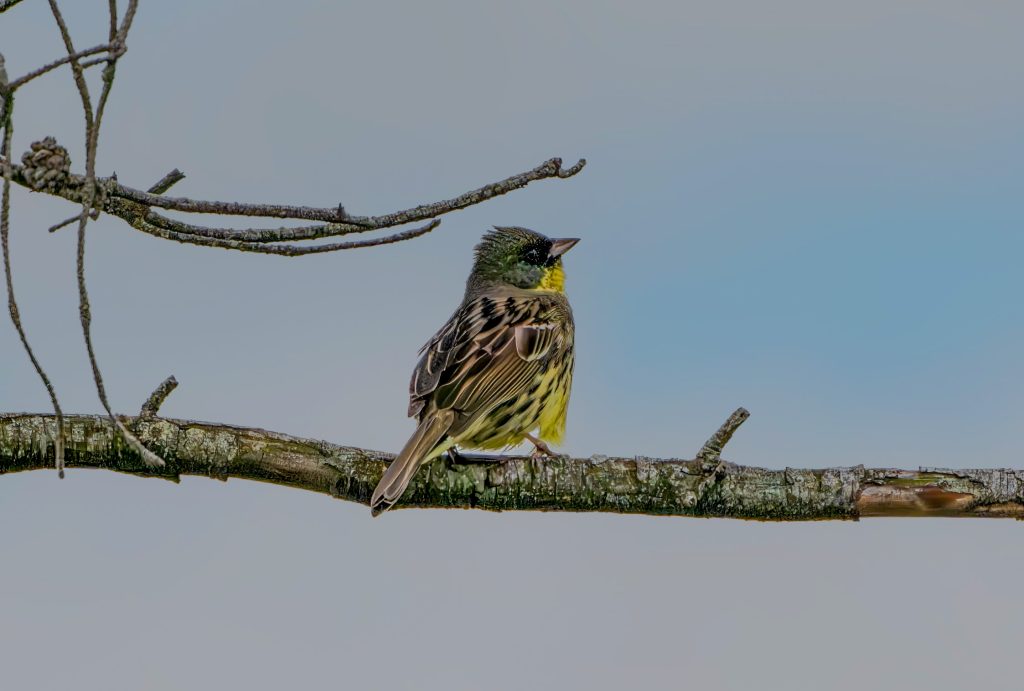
501	367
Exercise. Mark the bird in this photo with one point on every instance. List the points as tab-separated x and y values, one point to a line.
499	372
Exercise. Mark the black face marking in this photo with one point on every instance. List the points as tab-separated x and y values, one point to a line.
536	253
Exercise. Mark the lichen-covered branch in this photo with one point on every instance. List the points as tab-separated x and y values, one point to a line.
137	208
599	483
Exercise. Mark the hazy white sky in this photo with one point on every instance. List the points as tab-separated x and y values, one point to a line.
809	209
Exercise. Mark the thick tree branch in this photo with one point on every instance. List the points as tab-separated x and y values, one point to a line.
599	483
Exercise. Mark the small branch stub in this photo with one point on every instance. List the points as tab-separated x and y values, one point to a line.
711	452
166	182
156	399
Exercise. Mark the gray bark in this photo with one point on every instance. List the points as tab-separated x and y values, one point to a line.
700	487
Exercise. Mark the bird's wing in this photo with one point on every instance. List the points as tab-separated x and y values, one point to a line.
434	357
490	349
534	341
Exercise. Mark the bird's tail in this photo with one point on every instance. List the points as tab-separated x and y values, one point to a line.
423	443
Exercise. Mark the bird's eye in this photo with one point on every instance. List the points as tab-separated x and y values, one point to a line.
534	256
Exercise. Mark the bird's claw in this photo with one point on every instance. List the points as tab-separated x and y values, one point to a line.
540	449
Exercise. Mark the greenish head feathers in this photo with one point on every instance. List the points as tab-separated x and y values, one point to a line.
520	257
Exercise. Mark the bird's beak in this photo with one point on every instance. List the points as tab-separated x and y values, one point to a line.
560	246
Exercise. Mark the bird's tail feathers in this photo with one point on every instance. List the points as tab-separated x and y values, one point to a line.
423	443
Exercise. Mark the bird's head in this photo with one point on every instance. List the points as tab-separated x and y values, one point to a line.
522	258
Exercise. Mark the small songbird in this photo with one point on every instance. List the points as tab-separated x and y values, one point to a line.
501	368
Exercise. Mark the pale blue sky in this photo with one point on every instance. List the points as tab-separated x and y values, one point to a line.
809	209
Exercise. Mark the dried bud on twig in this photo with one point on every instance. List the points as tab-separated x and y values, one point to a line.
47	165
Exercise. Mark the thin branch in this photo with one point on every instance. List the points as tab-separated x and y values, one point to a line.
73	219
112	12
256	235
288	250
549	169
166	182
168	229
252	239
599	483
156	399
76	67
6	122
126	23
25	79
712	449
134	206
92	130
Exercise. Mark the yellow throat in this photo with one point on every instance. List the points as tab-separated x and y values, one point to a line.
554	278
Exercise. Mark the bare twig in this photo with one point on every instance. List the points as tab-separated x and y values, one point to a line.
337	215
76	66
712	449
112	12
319	231
6	122
571	170
156	399
166	182
92	130
126	23
169	229
132	205
73	219
26	78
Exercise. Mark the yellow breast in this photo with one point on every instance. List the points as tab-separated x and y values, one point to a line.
555	405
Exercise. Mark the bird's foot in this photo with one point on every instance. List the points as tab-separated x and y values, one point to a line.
540	449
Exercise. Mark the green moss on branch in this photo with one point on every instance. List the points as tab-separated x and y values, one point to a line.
622	485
